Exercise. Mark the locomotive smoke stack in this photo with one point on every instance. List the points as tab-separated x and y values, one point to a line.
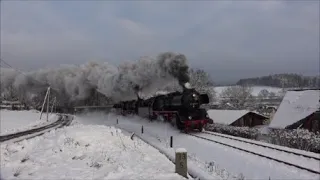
136	90
187	85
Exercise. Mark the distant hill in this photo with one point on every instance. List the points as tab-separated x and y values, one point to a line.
283	81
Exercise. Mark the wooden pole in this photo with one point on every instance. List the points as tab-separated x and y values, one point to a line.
171	141
48	103
181	162
44	102
54	103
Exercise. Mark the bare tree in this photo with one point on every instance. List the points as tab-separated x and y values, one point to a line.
10	93
238	97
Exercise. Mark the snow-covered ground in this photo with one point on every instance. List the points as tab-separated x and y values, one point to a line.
226	162
84	152
15	121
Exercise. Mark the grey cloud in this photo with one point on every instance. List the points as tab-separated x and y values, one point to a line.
229	39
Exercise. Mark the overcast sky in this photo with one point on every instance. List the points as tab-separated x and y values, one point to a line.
230	40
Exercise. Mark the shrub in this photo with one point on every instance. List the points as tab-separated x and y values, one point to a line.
245	132
297	138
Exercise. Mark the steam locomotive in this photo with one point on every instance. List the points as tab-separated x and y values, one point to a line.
181	109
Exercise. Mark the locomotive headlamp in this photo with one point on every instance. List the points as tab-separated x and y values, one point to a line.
190	117
194	95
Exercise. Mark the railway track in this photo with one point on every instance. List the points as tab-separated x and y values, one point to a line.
284	149
300	161
62	121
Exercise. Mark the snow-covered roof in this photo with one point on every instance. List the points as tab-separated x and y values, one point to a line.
295	106
226	116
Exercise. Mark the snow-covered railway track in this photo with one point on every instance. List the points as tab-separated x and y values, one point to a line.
62	121
300	162
271	146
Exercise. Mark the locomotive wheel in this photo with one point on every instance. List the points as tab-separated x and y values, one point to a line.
200	128
173	121
179	122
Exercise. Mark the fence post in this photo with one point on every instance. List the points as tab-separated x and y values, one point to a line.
171	141
141	129
181	162
117	121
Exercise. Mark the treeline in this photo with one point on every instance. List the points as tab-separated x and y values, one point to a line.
283	81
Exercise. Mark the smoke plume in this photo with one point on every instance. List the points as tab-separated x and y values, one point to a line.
74	83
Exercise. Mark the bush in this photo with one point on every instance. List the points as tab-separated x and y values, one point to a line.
297	138
245	132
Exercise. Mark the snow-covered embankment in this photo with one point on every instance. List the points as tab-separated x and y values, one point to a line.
16	121
84	152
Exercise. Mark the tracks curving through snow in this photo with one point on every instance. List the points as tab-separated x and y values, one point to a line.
303	162
63	120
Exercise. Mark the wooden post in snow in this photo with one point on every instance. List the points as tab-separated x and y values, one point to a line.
181	162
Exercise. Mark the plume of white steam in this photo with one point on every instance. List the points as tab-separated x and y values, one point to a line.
7	77
119	83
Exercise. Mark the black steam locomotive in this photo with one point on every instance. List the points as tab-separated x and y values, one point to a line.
181	109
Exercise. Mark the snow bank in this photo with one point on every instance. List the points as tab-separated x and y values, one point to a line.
15	121
215	160
84	152
156	134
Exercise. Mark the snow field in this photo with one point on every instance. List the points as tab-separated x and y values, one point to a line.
84	152
15	121
216	159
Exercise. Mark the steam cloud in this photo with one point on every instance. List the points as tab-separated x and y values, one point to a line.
119	83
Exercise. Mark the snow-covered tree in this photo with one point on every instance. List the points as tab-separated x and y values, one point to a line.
263	94
201	81
10	93
272	94
237	97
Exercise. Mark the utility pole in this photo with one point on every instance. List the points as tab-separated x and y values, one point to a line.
53	104
44	101
48	103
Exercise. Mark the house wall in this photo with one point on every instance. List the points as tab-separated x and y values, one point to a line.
312	123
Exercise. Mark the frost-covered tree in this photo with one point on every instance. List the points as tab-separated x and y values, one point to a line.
237	97
272	94
201	81
10	93
263	94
